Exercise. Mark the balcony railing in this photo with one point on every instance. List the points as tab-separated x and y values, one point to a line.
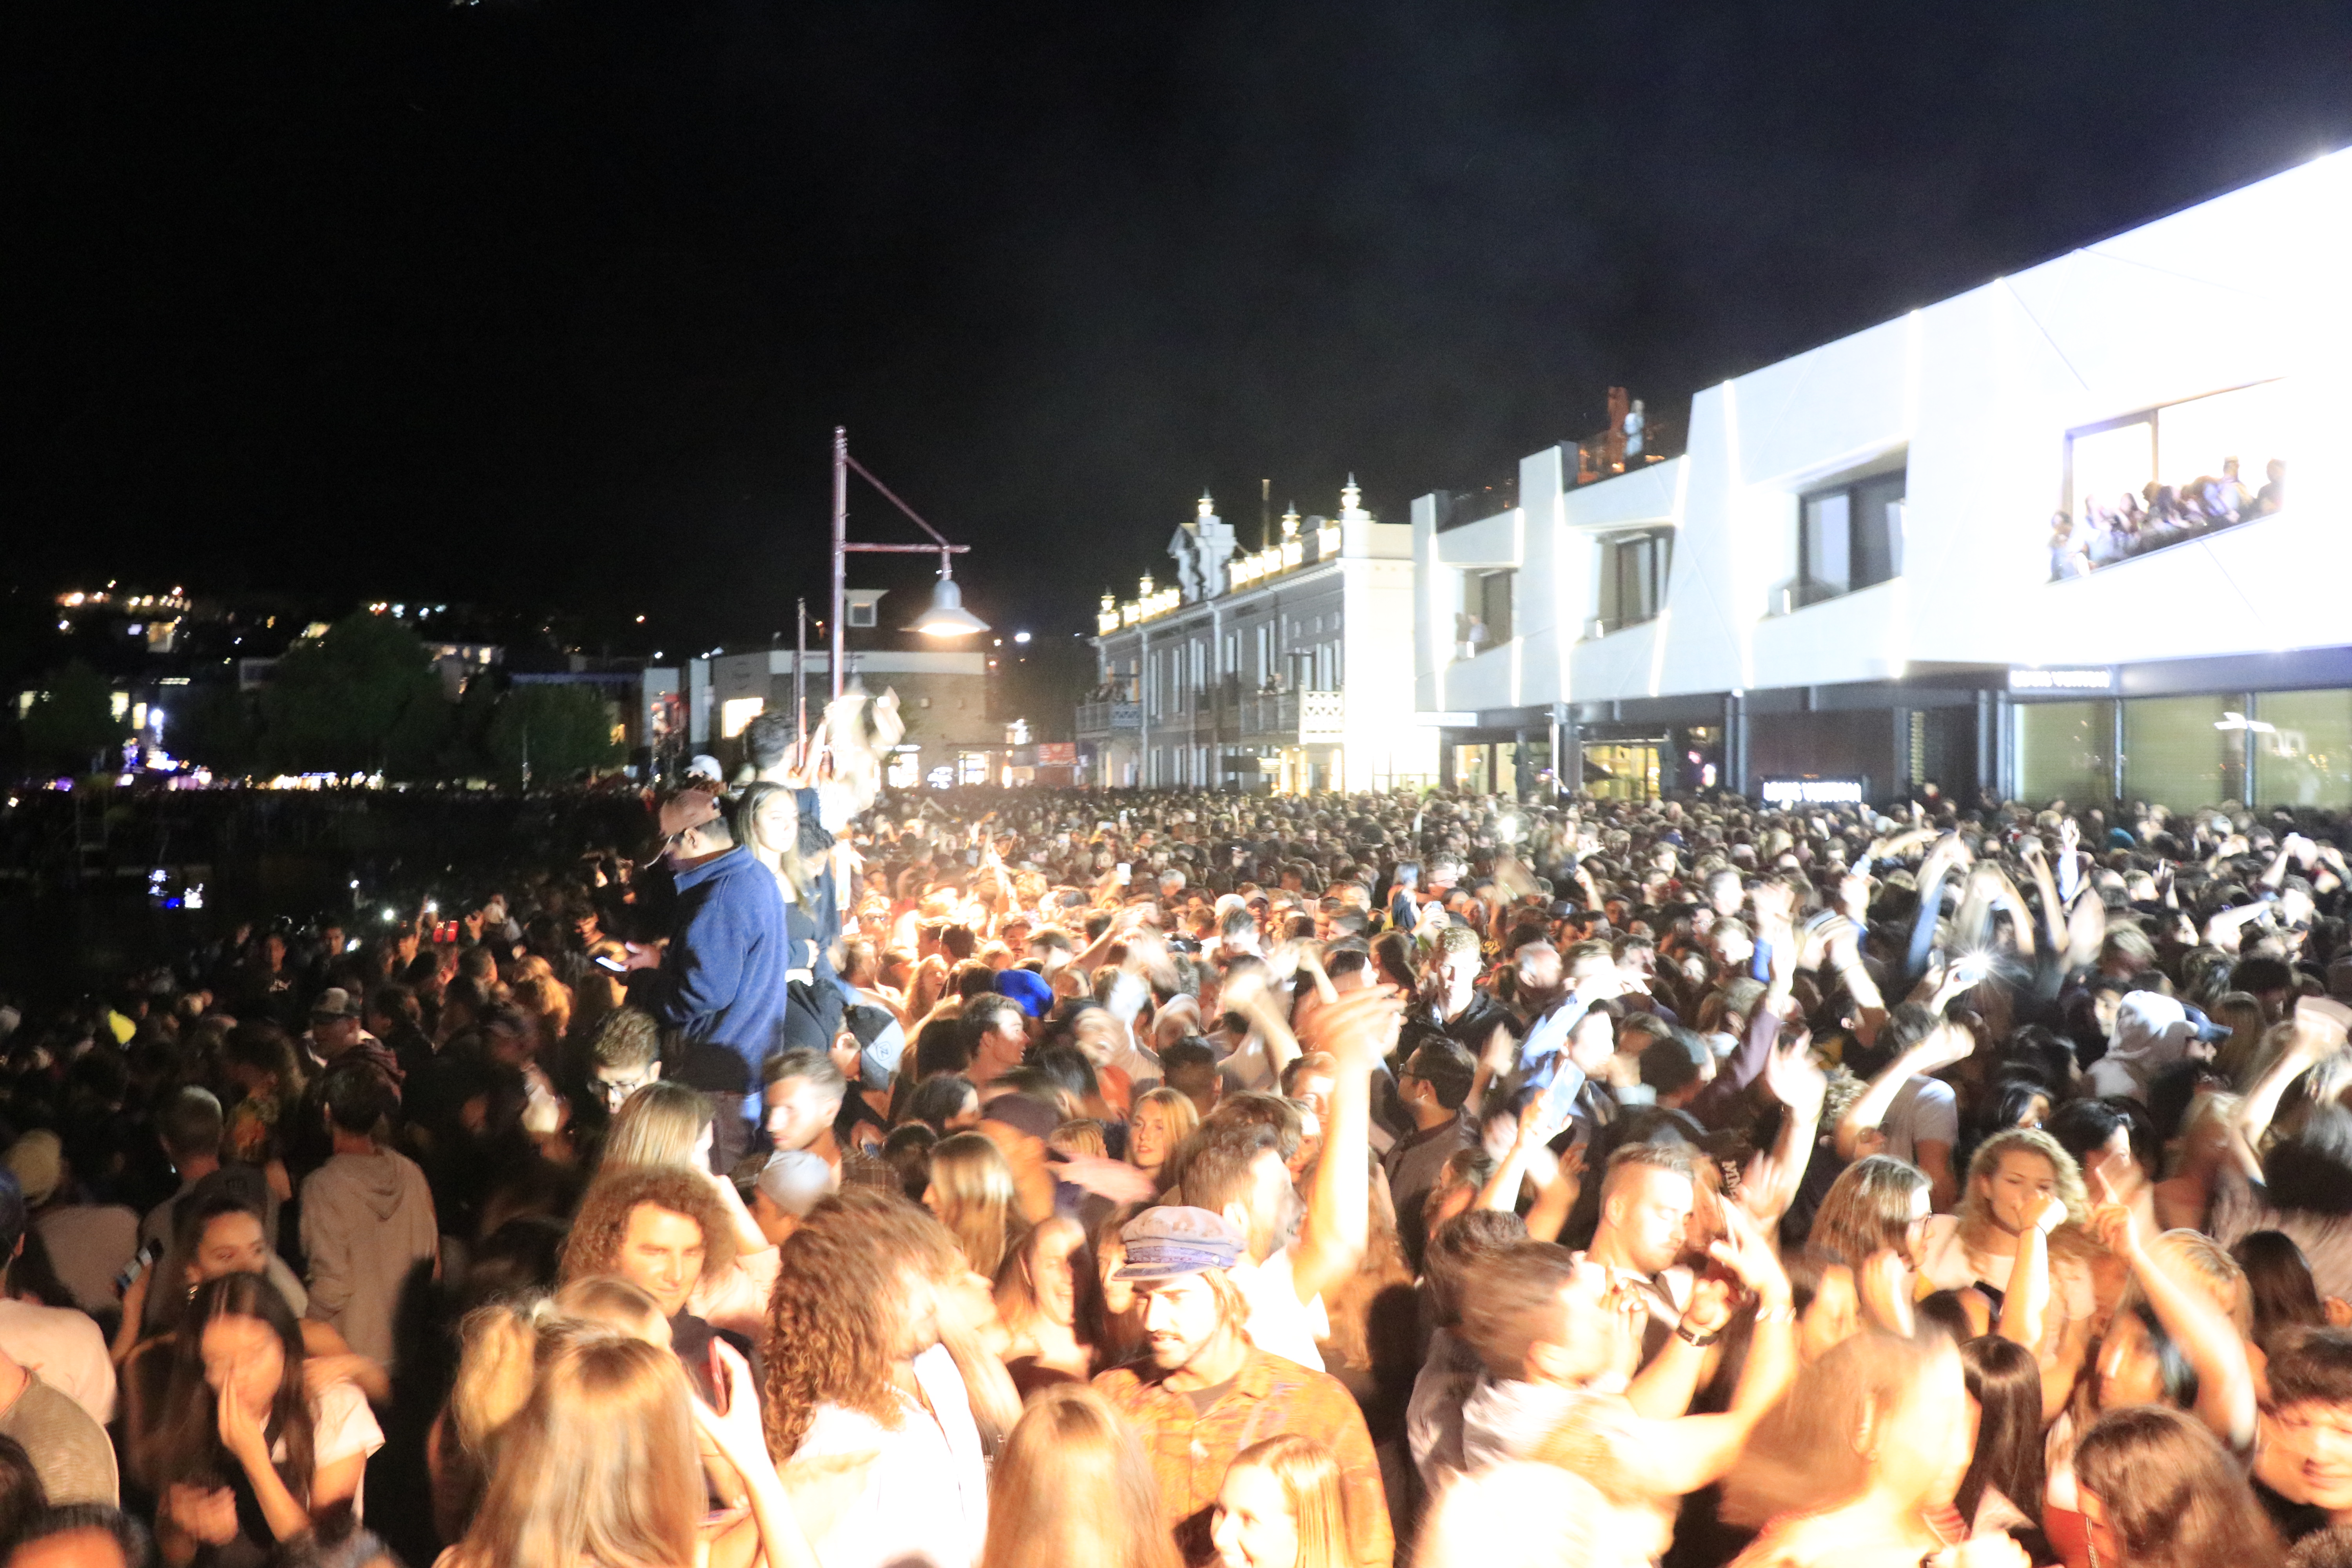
1102	718
1293	718
1603	455
1457	508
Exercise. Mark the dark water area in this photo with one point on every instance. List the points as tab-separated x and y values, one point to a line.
96	888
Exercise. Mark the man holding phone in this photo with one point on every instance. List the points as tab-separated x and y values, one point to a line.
721	980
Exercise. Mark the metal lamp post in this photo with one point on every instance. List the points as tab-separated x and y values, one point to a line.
947	617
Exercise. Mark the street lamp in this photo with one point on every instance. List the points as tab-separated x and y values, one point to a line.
947	617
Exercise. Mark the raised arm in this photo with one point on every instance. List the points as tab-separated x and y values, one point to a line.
2225	1378
1944	1044
2318	1034
1359	1030
1694	1451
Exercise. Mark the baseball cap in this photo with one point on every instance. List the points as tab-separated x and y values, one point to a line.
1027	988
1169	1242
881	1043
36	1161
794	1180
335	1002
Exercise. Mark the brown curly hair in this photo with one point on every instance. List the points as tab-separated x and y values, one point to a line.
594	1244
835	1320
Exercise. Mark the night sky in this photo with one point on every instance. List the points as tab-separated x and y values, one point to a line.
551	302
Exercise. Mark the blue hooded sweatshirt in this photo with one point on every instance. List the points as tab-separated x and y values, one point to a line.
721	983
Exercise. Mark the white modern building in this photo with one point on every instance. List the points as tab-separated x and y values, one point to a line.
1907	556
1287	669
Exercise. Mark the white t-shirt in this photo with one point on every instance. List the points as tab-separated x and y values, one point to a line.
926	1500
1279	1322
1923	1111
1947	1266
342	1425
66	1349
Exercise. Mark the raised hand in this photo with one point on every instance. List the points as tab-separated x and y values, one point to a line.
1945	1044
1742	1249
1709	1309
1794	1080
1540	1122
1357	1027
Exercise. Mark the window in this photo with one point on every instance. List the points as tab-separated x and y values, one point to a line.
861	614
2065	751
2303	749
1633	579
1849	536
2183	752
1265	671
1490	601
2168	473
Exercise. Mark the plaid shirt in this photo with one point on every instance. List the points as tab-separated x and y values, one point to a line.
1189	1454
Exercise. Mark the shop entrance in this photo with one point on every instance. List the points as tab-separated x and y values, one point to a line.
1622	770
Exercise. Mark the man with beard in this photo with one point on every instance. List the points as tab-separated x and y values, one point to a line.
1205	1393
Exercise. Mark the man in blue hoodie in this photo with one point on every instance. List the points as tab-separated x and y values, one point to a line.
720	981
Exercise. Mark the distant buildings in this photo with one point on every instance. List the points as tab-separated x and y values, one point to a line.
1286	669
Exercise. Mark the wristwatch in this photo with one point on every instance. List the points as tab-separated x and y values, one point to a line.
1699	1342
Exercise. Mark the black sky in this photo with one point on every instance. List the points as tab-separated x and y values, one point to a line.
547	301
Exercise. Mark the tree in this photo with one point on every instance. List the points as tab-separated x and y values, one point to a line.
565	729
71	724
363	698
214	725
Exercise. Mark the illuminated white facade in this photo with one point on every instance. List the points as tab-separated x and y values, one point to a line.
1854	566
1287	668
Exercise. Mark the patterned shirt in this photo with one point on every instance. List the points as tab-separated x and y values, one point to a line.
1189	1452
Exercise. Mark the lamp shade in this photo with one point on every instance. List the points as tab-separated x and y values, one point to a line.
947	617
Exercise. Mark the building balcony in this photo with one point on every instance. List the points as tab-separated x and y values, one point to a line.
1100	720
1293	718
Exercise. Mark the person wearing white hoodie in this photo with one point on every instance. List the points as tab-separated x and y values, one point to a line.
2154	1033
368	1225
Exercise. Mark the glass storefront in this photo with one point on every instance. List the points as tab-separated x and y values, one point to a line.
2187	752
1621	769
2184	751
2303	749
2065	751
1470	774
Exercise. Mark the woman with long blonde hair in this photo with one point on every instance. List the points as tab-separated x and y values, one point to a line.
599	1468
1073	1487
2021	1238
663	1124
1281	1506
971	1193
1158	1125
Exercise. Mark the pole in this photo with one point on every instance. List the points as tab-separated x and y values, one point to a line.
800	673
840	547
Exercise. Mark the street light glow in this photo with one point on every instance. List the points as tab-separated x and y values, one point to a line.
947	617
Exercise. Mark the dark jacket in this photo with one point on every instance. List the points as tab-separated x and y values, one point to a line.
721	984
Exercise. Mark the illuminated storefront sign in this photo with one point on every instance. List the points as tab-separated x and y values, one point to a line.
1813	792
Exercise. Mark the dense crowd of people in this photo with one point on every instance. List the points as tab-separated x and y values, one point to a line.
1050	1177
